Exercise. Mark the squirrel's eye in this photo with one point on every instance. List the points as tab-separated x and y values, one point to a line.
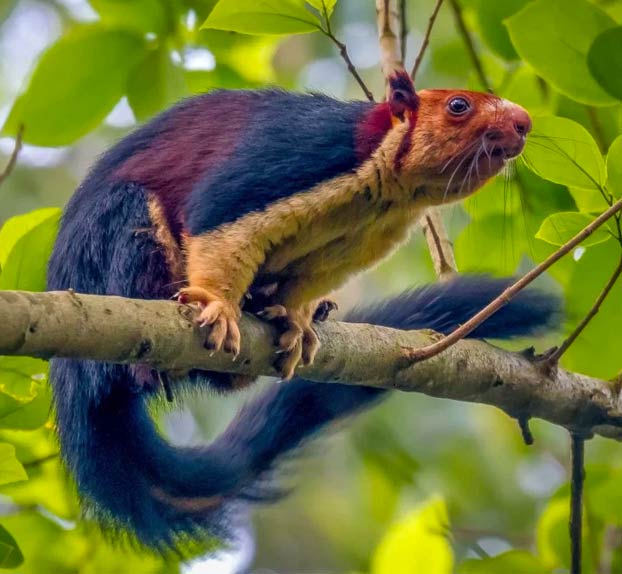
458	106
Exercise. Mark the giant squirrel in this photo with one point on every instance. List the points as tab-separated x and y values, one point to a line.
263	200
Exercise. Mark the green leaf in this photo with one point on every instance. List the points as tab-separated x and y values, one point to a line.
606	499
139	15
564	152
605	61
47	546
18	373
262	17
10	554
321	5
26	264
514	562
554	37
552	538
16	227
6	8
154	84
524	88
596	351
614	168
418	543
588	200
222	76
11	470
25	413
505	240
75	85
558	228
490	16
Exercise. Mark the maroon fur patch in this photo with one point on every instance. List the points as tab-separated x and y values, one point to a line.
195	139
372	129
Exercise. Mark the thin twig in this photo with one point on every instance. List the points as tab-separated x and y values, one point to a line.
403	29
470	45
501	300
13	158
555	356
426	39
576	501
343	51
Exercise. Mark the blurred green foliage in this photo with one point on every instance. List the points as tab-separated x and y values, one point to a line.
420	485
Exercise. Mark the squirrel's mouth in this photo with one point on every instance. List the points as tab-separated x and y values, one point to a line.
508	151
470	171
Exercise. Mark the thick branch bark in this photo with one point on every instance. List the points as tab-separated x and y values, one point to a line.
161	334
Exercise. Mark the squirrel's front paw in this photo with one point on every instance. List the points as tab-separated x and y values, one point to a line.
218	313
298	343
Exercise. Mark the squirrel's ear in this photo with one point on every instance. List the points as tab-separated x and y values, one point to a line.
402	95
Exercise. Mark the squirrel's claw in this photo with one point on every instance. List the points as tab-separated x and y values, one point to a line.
298	342
219	315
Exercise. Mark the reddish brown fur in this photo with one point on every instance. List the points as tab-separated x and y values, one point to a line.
372	129
198	139
441	140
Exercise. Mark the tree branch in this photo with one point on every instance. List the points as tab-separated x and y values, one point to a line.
161	334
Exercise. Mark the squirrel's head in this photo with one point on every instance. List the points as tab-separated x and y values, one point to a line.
454	140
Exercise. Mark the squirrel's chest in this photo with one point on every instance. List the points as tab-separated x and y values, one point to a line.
341	233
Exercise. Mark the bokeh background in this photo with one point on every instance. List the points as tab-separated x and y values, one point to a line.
355	486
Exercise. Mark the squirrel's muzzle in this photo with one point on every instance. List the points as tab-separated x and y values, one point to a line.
506	139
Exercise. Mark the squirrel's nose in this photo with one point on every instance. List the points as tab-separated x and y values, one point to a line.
520	120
